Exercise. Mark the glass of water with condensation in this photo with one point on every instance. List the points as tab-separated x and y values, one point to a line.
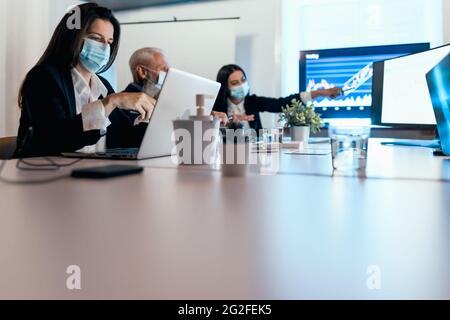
349	146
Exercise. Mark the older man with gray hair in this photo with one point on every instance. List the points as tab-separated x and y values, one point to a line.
149	67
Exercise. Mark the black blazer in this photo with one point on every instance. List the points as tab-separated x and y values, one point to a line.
49	107
132	88
254	104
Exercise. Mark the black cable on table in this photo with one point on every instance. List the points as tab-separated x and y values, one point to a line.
50	166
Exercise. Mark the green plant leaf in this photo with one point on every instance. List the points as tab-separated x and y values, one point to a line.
297	114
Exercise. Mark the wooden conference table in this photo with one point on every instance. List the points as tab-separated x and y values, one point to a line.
293	231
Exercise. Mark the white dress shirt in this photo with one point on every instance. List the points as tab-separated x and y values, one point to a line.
91	109
305	97
237	110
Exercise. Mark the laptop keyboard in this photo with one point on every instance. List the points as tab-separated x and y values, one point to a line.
121	152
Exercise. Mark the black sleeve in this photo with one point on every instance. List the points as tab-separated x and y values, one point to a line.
255	103
122	133
54	130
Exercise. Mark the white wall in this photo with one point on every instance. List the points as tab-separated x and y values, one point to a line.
323	24
257	34
196	48
446	14
26	27
27	32
2	68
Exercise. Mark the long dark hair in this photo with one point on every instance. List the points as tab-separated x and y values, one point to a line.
222	77
65	46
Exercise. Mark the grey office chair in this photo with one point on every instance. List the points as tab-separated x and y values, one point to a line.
7	147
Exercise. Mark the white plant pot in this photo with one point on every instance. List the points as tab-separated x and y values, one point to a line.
300	133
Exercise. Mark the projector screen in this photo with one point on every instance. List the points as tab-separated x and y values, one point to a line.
405	98
198	47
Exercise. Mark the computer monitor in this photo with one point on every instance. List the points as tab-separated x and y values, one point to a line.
350	68
400	92
438	81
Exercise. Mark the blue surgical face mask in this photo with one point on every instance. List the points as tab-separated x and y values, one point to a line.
161	76
151	87
240	92
95	55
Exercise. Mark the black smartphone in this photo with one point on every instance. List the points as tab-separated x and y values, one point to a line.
105	172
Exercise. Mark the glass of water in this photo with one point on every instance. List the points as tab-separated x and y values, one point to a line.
268	137
349	146
278	134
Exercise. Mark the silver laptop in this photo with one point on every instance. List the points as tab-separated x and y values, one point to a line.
176	101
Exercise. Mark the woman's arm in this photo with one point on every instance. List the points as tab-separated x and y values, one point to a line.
265	104
255	103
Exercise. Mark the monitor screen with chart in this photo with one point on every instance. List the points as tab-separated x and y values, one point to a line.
350	69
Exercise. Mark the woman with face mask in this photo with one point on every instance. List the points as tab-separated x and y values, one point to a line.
244	109
65	105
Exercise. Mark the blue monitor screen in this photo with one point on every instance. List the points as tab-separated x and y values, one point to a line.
350	69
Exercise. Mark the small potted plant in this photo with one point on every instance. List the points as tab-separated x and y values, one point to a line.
301	120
